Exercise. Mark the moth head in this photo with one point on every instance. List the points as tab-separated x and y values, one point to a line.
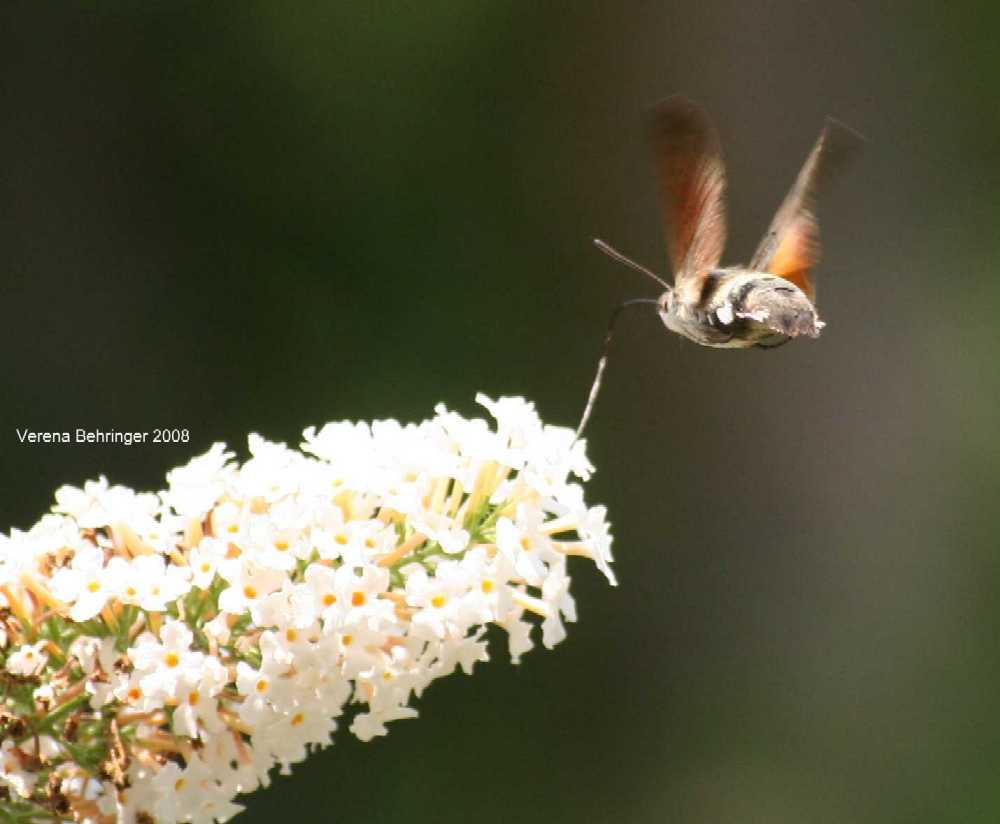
665	304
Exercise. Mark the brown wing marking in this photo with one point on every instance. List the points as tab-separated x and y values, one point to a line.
692	186
791	246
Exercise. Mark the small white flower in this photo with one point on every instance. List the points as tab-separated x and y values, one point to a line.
229	522
488	596
288	735
94	652
27	659
194	488
441	529
98	505
264	689
249	584
13	774
439	599
273	472
517	420
218	629
368	725
204	561
150	582
518	635
191	793
555	592
321	598
359	594
167	665
87	583
197	710
524	543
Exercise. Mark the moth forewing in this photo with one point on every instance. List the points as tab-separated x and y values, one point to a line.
791	246
691	182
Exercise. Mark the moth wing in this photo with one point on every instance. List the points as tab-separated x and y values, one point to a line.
691	180
791	247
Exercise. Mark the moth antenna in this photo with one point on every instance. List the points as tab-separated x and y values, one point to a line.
614	254
595	387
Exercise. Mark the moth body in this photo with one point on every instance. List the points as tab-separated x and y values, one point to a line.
737	308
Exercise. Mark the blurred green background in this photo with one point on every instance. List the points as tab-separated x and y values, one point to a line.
259	216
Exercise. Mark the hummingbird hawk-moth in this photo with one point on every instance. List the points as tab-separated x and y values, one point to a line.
763	304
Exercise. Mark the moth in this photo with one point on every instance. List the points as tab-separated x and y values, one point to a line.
764	304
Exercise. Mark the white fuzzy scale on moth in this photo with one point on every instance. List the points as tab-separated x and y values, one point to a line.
212	630
725	314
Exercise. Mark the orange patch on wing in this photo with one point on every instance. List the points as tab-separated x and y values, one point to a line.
795	256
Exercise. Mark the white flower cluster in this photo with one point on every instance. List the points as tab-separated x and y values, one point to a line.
163	651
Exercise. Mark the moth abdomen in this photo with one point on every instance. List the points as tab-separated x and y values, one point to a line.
755	307
779	306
